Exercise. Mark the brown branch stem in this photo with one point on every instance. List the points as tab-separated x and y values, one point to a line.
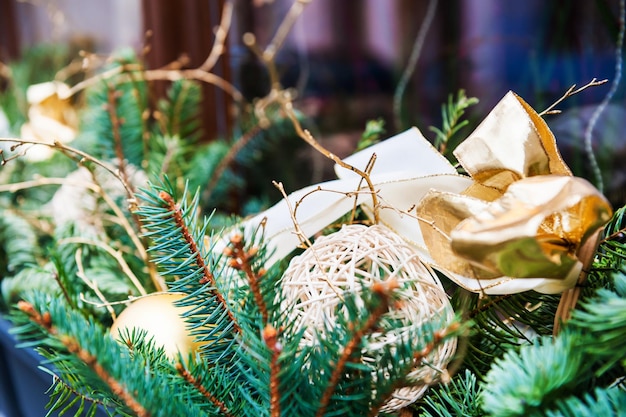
225	162
197	384
73	346
207	276
270	336
240	259
570	92
308	138
383	290
418	358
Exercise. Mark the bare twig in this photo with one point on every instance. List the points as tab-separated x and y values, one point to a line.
78	257
304	239
84	155
114	253
172	71
570	92
220	37
308	138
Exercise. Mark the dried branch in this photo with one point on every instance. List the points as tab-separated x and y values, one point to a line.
308	138
172	71
304	239
571	92
220	37
119	217
83	155
114	253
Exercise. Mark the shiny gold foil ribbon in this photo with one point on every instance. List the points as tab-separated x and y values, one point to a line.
522	222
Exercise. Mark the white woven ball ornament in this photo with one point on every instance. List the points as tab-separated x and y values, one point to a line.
359	256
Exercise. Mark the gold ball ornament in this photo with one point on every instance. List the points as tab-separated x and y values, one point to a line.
161	319
358	256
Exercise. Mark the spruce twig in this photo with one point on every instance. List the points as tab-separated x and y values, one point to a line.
116	123
383	291
240	259
73	346
196	383
270	337
418	359
207	276
451	119
228	159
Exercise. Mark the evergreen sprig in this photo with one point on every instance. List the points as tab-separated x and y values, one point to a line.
451	114
524	383
115	118
606	402
177	233
97	367
458	398
556	374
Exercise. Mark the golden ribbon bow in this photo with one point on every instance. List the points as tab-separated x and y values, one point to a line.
517	223
524	218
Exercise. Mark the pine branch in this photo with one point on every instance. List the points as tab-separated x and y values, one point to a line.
63	397
458	398
540	375
521	384
73	346
88	358
603	402
178	250
111	107
179	115
240	260
187	376
270	336
451	115
382	291
419	359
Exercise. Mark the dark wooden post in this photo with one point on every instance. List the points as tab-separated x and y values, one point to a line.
9	42
186	28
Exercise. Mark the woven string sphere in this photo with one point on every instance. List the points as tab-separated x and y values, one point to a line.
358	256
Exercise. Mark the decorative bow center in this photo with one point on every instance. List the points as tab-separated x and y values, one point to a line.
525	215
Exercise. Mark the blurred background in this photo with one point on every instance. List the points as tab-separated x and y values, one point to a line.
346	58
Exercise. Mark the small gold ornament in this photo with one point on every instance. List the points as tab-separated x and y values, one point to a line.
161	319
358	256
